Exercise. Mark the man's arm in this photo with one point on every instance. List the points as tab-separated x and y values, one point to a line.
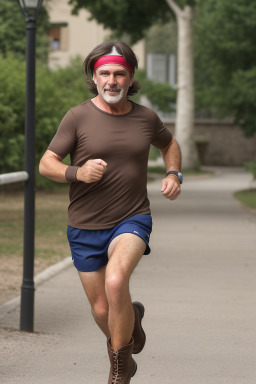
51	166
172	159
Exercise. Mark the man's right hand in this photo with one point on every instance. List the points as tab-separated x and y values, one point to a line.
91	171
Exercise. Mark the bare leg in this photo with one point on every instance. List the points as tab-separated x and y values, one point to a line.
125	252
94	286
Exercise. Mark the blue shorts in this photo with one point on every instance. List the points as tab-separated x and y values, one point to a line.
89	248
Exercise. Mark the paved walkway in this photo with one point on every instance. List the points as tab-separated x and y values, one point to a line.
198	286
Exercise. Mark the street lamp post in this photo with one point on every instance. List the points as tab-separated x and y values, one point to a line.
30	10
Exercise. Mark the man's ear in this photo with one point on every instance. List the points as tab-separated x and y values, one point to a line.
94	78
132	79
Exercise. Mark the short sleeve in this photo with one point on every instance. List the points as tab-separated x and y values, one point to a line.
162	136
64	140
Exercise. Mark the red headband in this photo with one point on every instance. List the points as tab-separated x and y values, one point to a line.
112	59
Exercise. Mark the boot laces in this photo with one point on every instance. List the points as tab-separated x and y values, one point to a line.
118	368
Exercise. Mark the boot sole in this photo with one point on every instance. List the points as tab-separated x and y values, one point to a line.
135	370
141	309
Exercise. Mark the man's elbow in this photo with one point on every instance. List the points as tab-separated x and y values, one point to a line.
42	168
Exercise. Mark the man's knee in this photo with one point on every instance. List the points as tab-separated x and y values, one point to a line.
100	311
117	284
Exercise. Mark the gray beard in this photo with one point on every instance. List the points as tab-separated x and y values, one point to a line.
112	99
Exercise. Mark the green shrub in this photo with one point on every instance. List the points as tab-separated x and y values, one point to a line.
161	95
250	166
12	96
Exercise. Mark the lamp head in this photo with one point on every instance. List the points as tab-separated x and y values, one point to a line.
30	8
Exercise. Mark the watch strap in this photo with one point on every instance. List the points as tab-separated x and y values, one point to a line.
173	173
176	173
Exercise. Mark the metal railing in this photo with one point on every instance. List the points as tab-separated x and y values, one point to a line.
13	177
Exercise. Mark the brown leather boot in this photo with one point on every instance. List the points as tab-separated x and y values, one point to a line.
123	367
138	332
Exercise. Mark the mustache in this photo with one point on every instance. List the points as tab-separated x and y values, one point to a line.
113	88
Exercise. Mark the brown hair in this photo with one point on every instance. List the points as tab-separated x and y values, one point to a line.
103	49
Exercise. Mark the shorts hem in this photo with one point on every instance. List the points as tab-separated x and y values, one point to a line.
89	269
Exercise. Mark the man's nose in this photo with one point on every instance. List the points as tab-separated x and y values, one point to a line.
111	79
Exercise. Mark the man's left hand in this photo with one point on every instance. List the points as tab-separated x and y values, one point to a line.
171	187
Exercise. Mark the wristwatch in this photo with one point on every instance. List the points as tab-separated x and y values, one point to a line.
178	174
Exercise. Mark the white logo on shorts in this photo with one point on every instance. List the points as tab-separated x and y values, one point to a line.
136	232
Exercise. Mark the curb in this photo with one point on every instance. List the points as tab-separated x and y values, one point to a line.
39	279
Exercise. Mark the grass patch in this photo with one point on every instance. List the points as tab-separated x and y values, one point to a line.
51	244
247	197
250	166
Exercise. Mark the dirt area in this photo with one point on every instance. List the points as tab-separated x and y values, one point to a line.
11	270
51	244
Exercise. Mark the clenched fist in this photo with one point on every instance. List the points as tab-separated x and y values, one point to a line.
91	171
170	187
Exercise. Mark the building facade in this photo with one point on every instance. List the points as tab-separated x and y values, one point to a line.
76	35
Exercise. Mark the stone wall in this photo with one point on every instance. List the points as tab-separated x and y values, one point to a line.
221	143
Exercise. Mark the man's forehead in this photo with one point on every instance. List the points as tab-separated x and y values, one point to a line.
112	67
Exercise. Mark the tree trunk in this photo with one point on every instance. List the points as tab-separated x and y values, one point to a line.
184	128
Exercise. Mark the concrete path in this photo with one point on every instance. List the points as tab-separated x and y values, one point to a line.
198	286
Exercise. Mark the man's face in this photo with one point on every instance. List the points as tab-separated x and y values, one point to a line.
113	82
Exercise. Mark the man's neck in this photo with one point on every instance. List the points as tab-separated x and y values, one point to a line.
121	108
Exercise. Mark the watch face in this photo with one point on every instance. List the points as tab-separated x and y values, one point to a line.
180	176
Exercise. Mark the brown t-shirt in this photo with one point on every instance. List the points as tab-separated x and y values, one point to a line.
123	141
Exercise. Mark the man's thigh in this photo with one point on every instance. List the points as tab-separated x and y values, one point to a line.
125	252
94	285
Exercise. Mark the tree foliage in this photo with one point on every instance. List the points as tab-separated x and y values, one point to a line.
226	59
132	18
13	32
162	38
